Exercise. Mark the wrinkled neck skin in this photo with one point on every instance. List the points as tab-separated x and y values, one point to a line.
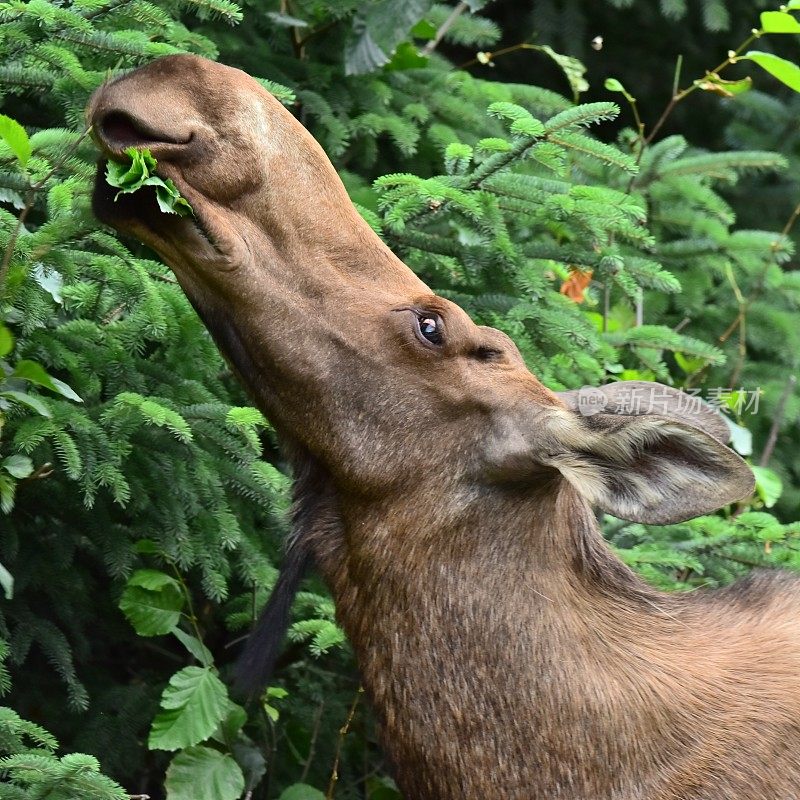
509	655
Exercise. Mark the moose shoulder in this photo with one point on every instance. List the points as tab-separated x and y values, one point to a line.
446	495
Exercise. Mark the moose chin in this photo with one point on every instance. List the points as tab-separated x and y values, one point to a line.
447	496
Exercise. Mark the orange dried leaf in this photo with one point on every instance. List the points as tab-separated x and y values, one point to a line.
576	284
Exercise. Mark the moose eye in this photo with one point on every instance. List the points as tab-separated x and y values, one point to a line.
430	328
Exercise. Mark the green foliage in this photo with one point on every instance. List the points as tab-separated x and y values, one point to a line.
129	178
152	602
200	773
144	503
193	705
31	769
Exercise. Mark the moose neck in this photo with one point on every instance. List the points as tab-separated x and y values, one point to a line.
499	655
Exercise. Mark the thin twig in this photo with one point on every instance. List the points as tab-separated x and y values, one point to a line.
312	747
780	411
678	95
681	94
742	325
503	52
444	27
787	228
342	733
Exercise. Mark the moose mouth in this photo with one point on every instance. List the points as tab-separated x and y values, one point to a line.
138	213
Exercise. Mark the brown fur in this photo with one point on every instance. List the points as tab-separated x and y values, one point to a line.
508	654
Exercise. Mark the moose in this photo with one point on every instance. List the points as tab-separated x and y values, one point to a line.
448	498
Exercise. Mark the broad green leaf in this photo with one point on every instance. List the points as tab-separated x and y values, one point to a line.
741	438
25	399
769	485
14	135
140	172
779	22
193	704
785	71
228	729
406	56
377	30
33	372
273	693
6	582
170	201
200	773
17	465
424	29
301	791
65	390
147	547
36	373
250	758
6	341
152	579
194	646
130	176
50	280
382	788
689	364
152	602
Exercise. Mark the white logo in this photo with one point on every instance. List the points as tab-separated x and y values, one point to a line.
591	401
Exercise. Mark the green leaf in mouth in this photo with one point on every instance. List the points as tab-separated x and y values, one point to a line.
140	171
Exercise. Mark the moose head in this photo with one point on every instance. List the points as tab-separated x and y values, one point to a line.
392	388
445	493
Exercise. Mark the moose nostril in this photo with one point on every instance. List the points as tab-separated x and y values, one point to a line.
120	129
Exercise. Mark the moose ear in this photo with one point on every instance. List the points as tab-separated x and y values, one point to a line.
644	452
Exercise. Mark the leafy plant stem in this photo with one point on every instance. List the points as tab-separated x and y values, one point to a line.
191	616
